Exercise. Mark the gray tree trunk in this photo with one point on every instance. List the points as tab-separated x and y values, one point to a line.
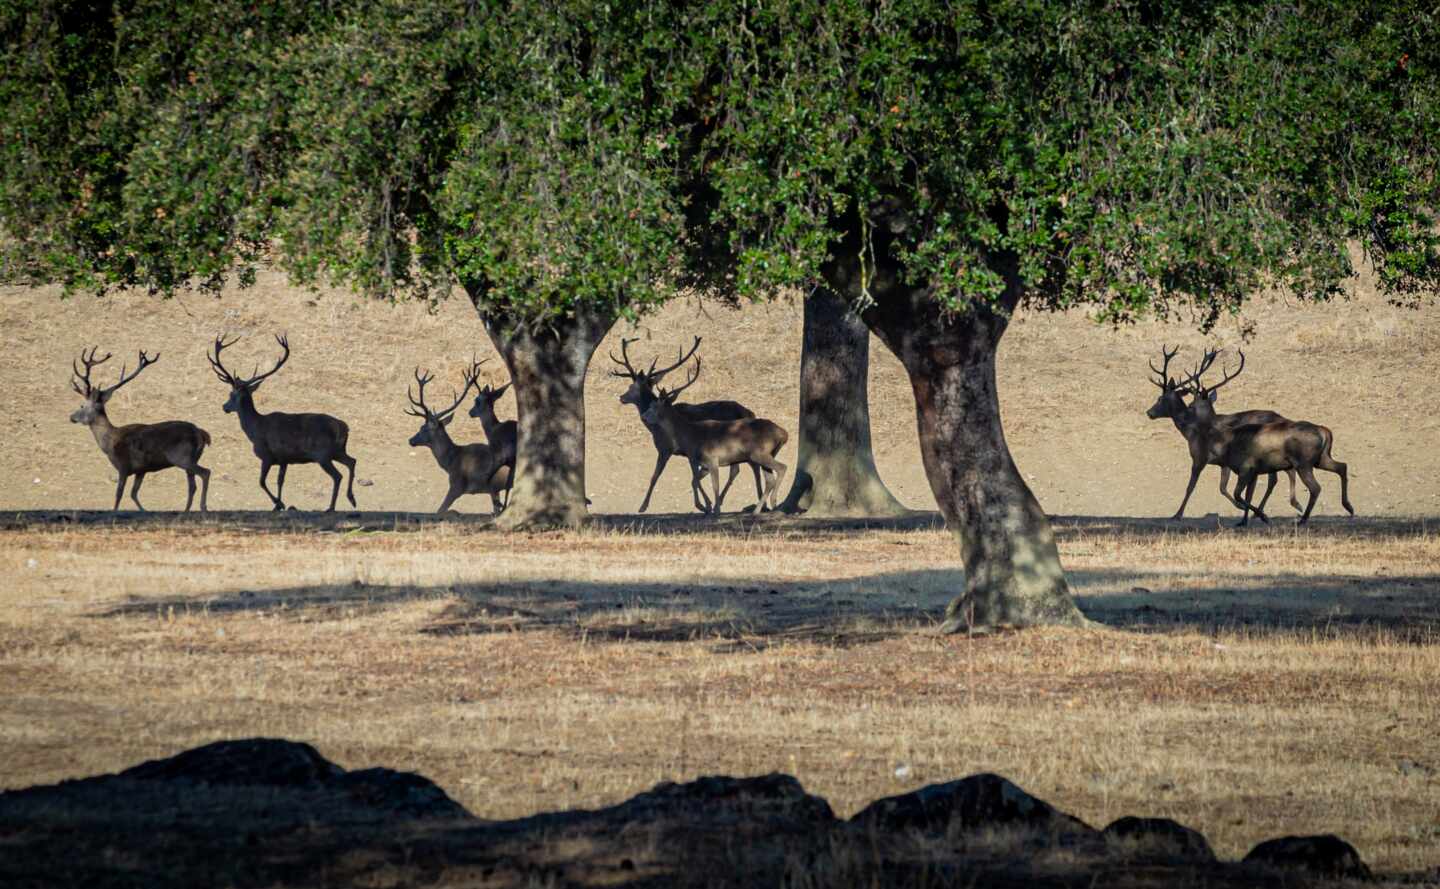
835	473
1013	576
548	369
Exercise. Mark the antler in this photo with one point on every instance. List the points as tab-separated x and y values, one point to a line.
1192	380
1205	364
145	361
227	377
1228	375
424	412
472	375
1160	372
215	365
624	361
675	393
284	357
657	374
90	362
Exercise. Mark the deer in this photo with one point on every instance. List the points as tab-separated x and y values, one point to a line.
502	436
473	468
710	444
642	394
1171	403
1253	448
139	448
285	439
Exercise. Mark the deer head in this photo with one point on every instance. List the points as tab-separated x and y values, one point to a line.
664	401
241	388
96	396
1202	406
485	398
433	422
643	382
1171	402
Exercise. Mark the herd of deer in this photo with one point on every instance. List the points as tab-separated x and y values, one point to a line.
1246	443
708	435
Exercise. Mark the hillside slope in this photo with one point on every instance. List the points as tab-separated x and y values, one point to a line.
1073	393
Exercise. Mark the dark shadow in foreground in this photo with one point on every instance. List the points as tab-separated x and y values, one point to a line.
261	812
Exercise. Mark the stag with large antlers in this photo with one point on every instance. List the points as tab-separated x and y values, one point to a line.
711	444
642	394
1203	451
473	468
1254	448
503	436
285	439
139	448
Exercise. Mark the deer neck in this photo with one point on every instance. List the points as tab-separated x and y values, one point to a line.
443	447
676	427
490	422
104	432
250	418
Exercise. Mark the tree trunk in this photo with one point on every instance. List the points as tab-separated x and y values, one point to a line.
548	369
835	472
1013	576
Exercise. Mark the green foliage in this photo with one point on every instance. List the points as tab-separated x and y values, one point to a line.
1132	156
1129	155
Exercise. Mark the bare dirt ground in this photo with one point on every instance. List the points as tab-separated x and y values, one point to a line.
1250	684
1073	395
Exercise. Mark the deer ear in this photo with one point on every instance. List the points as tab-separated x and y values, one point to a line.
446	421
1211	395
1173	384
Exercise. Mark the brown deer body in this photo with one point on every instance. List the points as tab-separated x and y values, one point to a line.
642	394
502	435
1249	450
1205	448
710	444
472	468
140	448
284	440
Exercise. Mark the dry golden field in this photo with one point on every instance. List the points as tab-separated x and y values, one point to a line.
1250	684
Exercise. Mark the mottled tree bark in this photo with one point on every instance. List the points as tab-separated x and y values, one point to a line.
835	472
548	369
1013	576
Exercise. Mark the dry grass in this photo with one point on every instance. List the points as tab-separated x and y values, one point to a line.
1249	685
1073	395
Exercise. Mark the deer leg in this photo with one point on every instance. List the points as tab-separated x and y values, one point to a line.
662	459
457	487
1268	490
734	469
119	490
1307	475
334	474
264	473
1250	483
349	463
1195	469
1224	484
135	490
715	480
778	472
204	487
280	485
1241	481
1293	502
1330	464
189	488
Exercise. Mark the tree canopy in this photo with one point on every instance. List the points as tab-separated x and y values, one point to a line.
1134	156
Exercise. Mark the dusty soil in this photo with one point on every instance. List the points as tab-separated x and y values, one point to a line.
1073	394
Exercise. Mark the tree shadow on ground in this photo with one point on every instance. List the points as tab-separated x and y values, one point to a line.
753	614
1067	528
